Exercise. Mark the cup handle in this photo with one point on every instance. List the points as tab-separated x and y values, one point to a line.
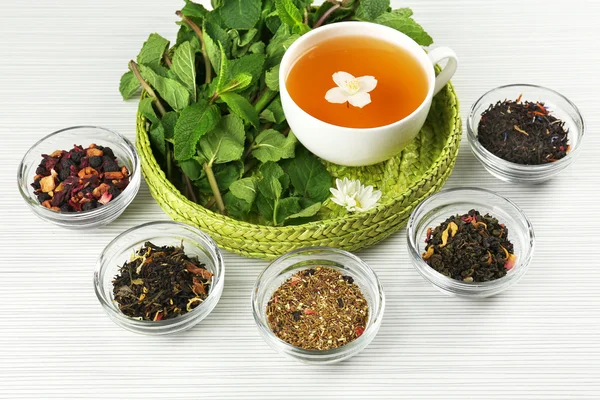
437	55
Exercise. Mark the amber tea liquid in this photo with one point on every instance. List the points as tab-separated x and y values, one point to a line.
401	88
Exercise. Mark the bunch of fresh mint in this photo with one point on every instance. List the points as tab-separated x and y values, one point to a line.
213	111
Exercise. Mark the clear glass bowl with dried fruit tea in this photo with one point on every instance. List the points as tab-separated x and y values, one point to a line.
109	200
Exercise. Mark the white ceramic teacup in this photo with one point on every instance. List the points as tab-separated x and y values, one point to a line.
361	146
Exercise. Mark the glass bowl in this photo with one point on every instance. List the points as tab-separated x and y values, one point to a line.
196	243
290	263
437	208
560	107
64	139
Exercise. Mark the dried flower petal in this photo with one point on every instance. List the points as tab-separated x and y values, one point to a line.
428	253
359	330
510	262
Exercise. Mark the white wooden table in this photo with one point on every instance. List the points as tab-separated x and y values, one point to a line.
60	66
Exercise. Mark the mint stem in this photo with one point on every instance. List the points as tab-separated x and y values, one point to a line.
169	163
190	189
326	15
215	187
134	68
196	28
275	212
167	59
210	203
264	100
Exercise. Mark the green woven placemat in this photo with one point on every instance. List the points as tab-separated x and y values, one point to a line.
405	180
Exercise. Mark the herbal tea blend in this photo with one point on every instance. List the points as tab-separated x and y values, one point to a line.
523	132
161	283
394	80
79	179
318	309
470	248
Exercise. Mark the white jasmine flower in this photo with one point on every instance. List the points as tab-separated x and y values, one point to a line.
354	196
350	89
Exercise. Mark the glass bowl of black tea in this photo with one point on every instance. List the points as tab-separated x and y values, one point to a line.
159	278
81	177
318	305
525	133
470	242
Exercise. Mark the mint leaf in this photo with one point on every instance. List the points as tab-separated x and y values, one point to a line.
271	145
236	207
223	70
129	85
265	206
270	187
272	78
291	15
306	212
244	189
288	12
407	12
271	169
371	9
257	48
145	108
239	82
153	50
273	22
225	142
173	92
184	67
308	176
403	23
240	14
192	9
191	168
193	123
252	64
279	44
169	121
214	52
241	42
285	208
214	37
157	137
225	175
241	107
274	112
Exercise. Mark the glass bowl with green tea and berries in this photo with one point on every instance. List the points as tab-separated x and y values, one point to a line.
80	177
159	278
525	133
470	242
318	305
